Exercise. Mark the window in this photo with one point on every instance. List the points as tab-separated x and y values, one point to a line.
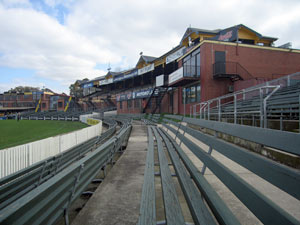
27	96
44	105
198	93
137	103
191	64
60	104
121	105
129	104
192	94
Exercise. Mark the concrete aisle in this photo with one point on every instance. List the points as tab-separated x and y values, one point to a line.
117	200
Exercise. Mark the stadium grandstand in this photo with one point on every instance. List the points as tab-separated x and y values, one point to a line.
206	64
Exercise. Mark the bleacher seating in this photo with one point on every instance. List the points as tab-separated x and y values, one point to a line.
204	203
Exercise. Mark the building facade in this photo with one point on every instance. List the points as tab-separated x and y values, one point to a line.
206	64
28	101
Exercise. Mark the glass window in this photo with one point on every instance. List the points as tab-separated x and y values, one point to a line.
188	95
60	104
193	94
137	103
198	65
129	104
121	105
198	93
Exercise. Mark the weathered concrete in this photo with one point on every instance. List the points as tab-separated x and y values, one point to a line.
117	200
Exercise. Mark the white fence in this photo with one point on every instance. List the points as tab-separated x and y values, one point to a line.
22	156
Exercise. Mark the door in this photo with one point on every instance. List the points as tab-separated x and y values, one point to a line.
219	66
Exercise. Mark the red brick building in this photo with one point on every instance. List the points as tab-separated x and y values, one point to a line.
206	64
42	101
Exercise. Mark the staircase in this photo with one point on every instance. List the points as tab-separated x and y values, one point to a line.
158	93
110	103
232	70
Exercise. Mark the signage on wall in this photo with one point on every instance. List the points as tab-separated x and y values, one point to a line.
175	55
105	81
226	35
146	69
119	78
160	81
88	85
131	74
135	94
176	75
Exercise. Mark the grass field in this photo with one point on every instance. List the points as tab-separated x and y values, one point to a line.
13	133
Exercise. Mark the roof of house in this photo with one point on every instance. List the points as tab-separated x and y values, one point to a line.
217	31
146	59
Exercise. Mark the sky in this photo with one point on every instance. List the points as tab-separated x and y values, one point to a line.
52	43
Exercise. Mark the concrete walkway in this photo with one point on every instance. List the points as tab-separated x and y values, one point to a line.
117	199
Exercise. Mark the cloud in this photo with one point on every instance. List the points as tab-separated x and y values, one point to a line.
37	41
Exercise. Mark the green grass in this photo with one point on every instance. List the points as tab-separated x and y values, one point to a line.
13	133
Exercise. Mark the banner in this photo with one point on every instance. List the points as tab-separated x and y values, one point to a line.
176	75
226	35
175	55
119	78
105	81
88	85
131	74
135	94
160	80
146	69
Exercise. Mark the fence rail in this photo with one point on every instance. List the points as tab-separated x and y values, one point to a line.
16	158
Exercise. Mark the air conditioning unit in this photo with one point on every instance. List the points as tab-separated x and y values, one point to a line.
230	89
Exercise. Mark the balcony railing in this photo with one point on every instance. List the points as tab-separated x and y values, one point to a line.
191	71
232	70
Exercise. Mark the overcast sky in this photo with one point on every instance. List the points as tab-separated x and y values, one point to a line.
53	43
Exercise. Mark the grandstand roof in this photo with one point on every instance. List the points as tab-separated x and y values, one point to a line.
146	59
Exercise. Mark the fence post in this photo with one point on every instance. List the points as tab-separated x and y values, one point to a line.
208	113
261	107
219	109
235	110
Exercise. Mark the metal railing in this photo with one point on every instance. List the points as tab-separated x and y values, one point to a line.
231	68
228	105
191	71
235	104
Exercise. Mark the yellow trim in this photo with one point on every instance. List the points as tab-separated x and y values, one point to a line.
159	62
67	106
92	121
48	93
37	107
241	45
